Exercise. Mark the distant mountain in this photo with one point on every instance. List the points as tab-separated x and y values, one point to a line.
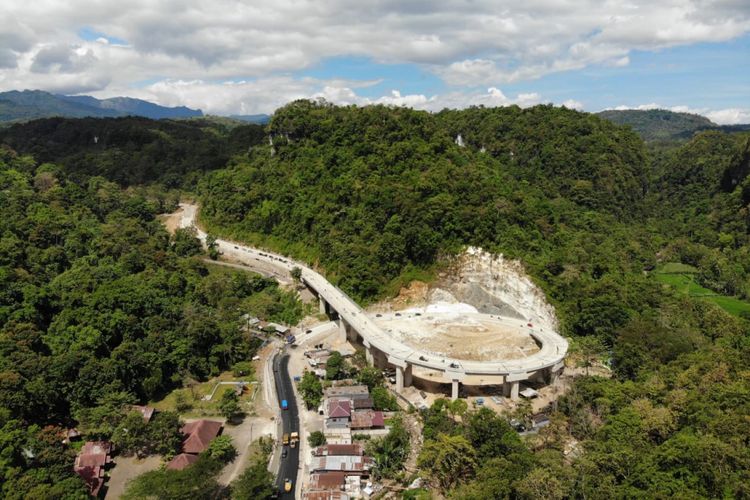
261	119
659	124
17	106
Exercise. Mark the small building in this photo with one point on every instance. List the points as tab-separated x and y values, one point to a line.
367	419
338	413
325	495
90	463
278	329
146	411
352	465
199	434
348	392
182	461
362	404
354	450
327	481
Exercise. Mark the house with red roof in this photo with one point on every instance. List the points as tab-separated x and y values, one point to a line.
90	463
199	434
338	413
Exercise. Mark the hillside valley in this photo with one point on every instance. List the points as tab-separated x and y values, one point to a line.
102	307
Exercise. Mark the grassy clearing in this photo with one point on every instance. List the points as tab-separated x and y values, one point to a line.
194	406
677	267
681	278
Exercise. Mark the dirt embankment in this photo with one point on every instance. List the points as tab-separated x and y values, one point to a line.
490	283
496	285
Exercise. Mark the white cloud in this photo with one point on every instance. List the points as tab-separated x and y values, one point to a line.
573	104
731	116
192	47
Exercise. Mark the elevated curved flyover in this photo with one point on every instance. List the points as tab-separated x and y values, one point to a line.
546	363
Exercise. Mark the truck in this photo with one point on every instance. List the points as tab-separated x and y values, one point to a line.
285	439
294	439
284	404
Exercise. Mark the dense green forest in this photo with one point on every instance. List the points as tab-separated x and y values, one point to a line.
133	150
376	196
100	307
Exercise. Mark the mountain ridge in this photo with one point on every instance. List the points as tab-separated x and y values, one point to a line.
19	106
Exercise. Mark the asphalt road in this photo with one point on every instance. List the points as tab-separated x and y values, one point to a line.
290	423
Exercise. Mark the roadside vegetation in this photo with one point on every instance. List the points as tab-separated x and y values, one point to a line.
100	308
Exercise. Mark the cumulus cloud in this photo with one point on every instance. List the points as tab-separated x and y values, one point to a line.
193	47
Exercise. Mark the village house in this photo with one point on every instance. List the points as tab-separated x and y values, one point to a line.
90	463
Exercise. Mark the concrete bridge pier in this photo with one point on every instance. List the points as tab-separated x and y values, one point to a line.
455	387
323	305
343	330
512	383
555	371
403	377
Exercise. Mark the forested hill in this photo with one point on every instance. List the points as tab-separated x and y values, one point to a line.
374	191
664	125
133	150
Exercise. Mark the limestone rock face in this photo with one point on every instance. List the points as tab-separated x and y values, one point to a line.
496	285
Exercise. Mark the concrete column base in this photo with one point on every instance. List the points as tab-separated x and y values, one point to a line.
454	389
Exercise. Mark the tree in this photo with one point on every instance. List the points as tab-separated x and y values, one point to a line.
222	449
492	435
336	366
391	450
316	438
311	389
296	274
448	459
383	400
371	377
164	433
185	243
230	405
589	349
212	246
541	484
131	436
195	481
256	482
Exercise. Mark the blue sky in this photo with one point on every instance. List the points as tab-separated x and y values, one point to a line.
238	57
702	75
